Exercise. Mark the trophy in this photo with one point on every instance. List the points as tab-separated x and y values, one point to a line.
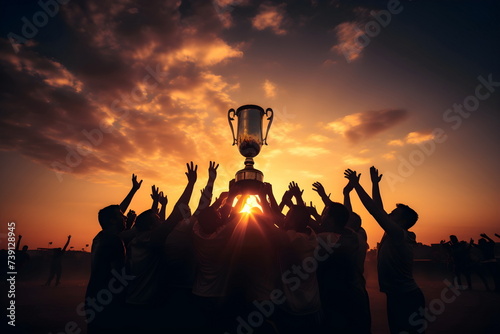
249	138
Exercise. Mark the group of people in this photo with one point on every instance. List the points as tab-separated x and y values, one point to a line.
228	268
479	258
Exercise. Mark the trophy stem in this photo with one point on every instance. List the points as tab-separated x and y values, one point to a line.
249	173
249	163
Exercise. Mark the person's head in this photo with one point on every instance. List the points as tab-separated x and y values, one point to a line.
25	248
111	218
297	218
453	239
334	217
482	242
403	215
147	220
354	221
210	219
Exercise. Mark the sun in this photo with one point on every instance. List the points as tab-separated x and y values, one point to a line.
250	204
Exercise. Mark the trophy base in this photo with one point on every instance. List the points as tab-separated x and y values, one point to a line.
249	178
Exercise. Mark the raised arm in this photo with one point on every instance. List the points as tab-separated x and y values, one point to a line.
375	177
155	196
163	200
484	235
131	215
314	222
286	200
272	200
497	235
373	208
296	192
67	243
181	208
347	196
126	201
18	242
318	187
207	192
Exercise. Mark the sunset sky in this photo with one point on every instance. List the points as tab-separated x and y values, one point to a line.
93	91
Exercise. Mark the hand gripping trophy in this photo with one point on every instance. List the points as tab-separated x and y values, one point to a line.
249	139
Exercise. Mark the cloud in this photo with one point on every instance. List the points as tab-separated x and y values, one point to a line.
132	90
272	17
419	137
352	160
269	88
348	36
308	151
415	137
396	142
361	126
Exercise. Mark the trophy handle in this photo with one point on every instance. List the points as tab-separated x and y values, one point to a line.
270	119
229	119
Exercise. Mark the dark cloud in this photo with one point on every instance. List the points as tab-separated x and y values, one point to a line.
122	93
361	126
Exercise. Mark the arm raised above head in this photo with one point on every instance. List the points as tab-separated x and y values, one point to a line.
126	201
382	218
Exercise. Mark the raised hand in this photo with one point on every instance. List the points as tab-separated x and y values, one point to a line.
352	176
287	198
318	187
155	195
374	175
348	188
212	170
295	189
497	235
131	215
191	172
135	184
69	237
312	210
162	199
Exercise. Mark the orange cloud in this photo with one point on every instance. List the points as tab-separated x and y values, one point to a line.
271	17
269	88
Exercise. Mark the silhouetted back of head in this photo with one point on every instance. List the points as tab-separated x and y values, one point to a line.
146	220
335	217
408	215
297	218
109	216
354	221
25	248
453	238
209	219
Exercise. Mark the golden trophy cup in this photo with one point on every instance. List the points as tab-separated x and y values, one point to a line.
249	139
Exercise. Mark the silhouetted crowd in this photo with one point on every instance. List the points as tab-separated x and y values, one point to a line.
232	267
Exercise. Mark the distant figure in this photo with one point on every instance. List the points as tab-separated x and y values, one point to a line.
459	253
395	257
22	256
489	262
56	263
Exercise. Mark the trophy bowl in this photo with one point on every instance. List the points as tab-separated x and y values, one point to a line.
249	138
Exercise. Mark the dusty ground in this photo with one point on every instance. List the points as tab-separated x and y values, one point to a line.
41	309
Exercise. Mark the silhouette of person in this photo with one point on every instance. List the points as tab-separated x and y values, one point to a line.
302	309
395	256
107	272
56	263
22	256
488	262
461	259
354	224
